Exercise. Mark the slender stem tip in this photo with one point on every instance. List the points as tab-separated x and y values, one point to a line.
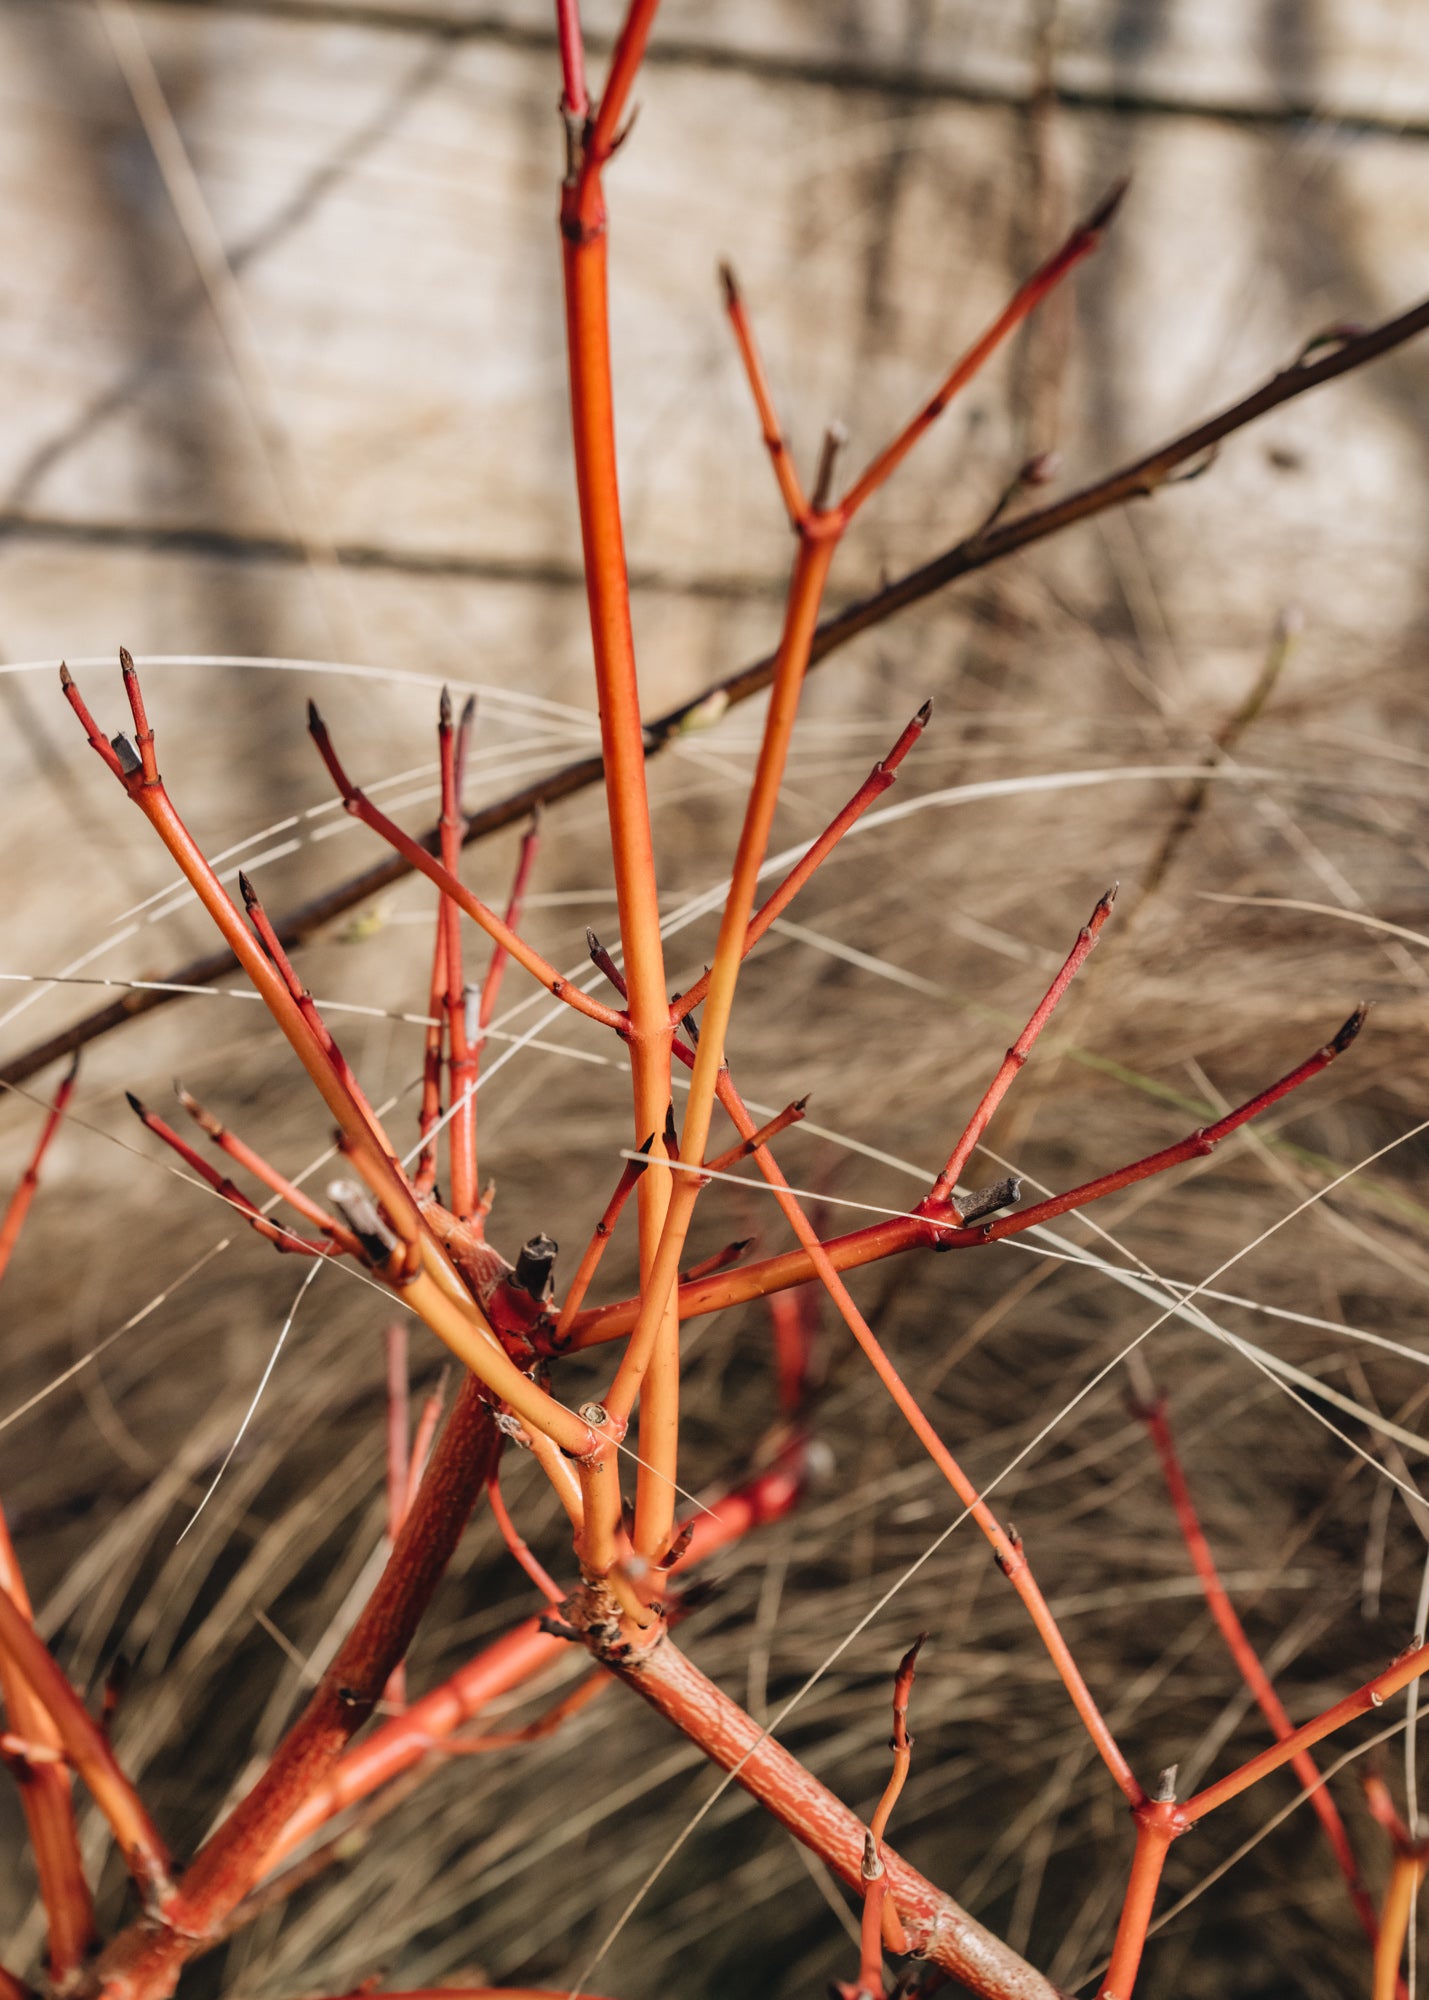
468	714
925	714
136	1105
66	677
1102	215
910	1658
444	711
247	891
316	725
730	284
126	663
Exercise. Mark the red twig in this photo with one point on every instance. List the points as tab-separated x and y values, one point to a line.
780	1122
398	1469
518	1547
595	1249
1408	1667
1137	479
900	1233
1017	1055
873	787
795	502
1006	1548
516	1658
143	1962
1154	1416
876	1907
574	101
254	1163
20	1200
282	1239
1158	1822
88	1751
362	808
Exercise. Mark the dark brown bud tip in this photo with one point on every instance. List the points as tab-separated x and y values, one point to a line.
925	714
315	721
1109	897
468	712
247	891
126	661
1350	1029
801	1104
1102	215
593	944
1041	469
444	711
66	677
137	1105
730	284
73	1071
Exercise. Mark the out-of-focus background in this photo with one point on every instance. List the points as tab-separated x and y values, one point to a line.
315	417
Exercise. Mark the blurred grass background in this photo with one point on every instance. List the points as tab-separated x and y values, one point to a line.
382	180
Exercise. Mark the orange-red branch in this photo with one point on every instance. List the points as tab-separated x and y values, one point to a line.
796	504
596	1248
46	1799
1157	1825
20	1200
1374	1694
88	1751
1007	1550
873	787
928	1231
936	1927
244	1156
1017	1055
144	787
1243	1653
362	808
1082	241
282	1239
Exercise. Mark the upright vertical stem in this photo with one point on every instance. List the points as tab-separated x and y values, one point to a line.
584	249
1157	1825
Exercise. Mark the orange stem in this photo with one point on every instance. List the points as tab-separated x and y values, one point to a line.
795	503
45	1795
1157	1824
874	785
1398	1674
1010	1558
88	1751
1404	1882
